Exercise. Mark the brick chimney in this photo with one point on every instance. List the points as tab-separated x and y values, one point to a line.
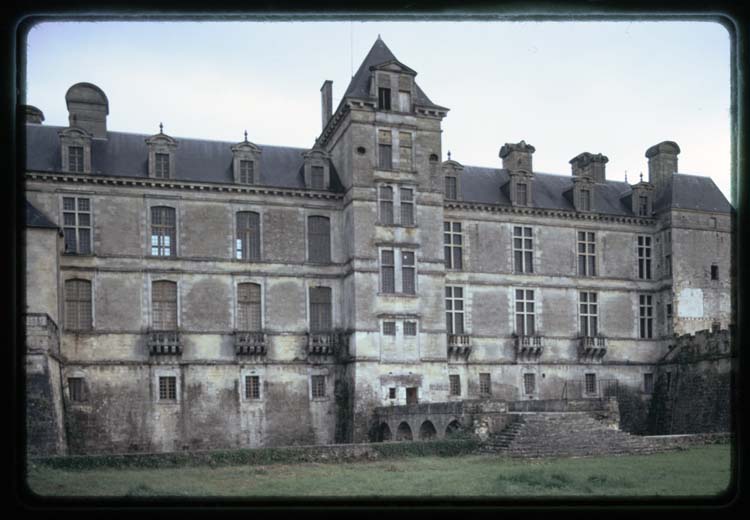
88	108
33	114
517	156
662	163
589	165
326	101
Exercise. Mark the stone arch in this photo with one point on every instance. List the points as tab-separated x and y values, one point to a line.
384	433
453	428
427	431
403	433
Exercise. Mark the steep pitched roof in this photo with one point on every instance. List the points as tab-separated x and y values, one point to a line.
694	192
37	219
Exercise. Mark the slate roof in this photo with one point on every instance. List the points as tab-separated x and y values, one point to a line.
35	218
693	192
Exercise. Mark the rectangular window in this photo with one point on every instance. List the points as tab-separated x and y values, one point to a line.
405	151
163	231
248	307
529	384
485	386
407	206
389	328
522	194
404	101
668	381
524	312
319	239
523	250
164	305
385	160
648	383
78	305
589	314
714	272
77	225
386	205
162	166
321	312
451	188
408	272
75	159
646	315
669	310
387	271
591	384
167	388
75	389
248	236
247	172
317	178
668	265
455	383
642	206
453	245
384	98
392	393
585	200
586	253
644	257
410	328
252	387
318	386
454	310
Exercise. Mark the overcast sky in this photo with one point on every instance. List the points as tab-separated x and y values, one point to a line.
602	87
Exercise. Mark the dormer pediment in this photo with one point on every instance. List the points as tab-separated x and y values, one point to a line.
161	140
246	147
450	164
394	66
74	132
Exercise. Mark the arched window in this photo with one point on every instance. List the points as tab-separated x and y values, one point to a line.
319	239
248	236
248	307
321	319
164	305
78	305
163	231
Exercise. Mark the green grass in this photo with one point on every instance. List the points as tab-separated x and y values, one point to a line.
698	471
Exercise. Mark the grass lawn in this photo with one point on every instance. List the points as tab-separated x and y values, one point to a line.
698	471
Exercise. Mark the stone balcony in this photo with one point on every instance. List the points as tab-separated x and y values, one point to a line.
459	344
592	348
164	342
328	343
249	343
529	348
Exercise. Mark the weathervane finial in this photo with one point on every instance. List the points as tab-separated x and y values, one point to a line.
161	128
626	175
449	155
245	135
641	176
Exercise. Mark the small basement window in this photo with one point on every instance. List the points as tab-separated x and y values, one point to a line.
714	272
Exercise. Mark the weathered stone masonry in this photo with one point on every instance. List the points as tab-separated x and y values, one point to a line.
206	294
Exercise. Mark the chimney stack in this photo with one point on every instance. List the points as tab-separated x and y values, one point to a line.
589	165
517	156
326	101
662	163
33	114
88	108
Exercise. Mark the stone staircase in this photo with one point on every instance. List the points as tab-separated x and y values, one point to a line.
565	434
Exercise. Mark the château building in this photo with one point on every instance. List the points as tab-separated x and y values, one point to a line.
184	293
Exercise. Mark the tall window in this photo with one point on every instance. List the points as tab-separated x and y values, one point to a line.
321	319
75	389
454	310
387	271
668	265
163	233
451	187
586	253
646	314
585	200
319	239
410	328
404	146
644	257
529	384
523	250
385	160
522	194
384	98
648	383
453	245
455	384
252	387
167	388
485	385
78	305
386	205
162	165
248	307
407	206
642	206
77	225
248	236
318	384
389	328
589	314
247	172
317	178
524	312
408	272
75	159
404	101
590	383
164	305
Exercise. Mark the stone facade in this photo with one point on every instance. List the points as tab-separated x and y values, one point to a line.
391	335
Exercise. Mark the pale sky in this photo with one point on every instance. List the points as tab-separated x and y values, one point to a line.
565	87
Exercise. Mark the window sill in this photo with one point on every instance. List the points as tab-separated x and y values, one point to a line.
319	399
157	257
399	295
310	262
168	402
410	226
69	253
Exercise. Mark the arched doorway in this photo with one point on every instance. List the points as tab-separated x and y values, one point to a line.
404	432
453	428
427	431
384	433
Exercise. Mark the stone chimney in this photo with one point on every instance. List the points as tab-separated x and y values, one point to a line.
33	114
326	101
662	163
589	165
88	108
517	156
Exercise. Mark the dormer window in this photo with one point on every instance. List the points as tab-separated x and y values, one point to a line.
451	178
643	206
161	151
585	200
581	195
247	172
522	194
317	179
384	98
317	169
162	166
404	101
75	147
75	159
246	162
385	150
451	188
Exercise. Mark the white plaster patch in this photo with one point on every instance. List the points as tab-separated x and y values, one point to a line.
690	303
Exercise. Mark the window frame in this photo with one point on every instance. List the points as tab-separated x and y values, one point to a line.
244	311
385	143
523	245
586	253
524	309
161	230
529	383
77	392
320	319
253	385
644	251
159	165
405	151
253	251
485	383
84	322
163	307
246	171
455	310
384	98
454	382
402	271
167	390
318	386
78	230
453	243
645	316
590	383
450	187
588	314
78	158
326	258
